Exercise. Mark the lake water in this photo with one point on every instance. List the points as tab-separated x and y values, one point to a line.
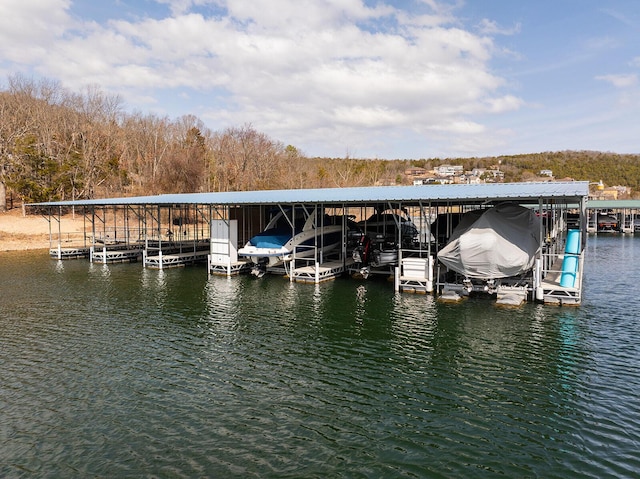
118	371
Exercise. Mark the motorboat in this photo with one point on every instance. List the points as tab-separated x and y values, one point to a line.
605	221
382	234
386	224
299	232
376	253
493	243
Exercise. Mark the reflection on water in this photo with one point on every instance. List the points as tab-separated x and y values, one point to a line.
123	371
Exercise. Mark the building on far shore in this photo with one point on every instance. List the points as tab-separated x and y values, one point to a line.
611	193
453	174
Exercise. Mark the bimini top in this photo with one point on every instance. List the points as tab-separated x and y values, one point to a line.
407	195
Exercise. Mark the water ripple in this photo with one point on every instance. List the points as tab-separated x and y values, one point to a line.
120	371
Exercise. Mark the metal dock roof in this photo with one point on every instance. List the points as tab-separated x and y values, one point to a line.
613	204
434	194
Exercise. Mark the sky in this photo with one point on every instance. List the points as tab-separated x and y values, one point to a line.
388	79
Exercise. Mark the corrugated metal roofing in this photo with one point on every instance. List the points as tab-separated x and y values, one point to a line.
435	194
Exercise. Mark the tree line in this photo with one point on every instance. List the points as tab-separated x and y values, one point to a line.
61	145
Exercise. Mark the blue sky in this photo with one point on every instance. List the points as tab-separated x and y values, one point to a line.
367	79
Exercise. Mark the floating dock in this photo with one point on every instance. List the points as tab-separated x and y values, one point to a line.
172	254
115	253
613	216
228	269
553	290
173	230
319	273
69	253
162	260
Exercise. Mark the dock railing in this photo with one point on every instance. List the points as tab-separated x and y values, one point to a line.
71	238
119	235
551	287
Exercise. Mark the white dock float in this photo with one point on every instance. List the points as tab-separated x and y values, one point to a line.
451	296
560	296
228	269
318	273
511	296
118	254
161	261
69	253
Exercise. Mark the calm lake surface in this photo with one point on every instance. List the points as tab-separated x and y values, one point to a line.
118	371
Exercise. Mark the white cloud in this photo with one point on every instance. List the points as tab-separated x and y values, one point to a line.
335	69
620	81
459	126
620	17
179	7
28	28
491	27
504	104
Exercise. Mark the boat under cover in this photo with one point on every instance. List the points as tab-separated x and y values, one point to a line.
386	224
498	242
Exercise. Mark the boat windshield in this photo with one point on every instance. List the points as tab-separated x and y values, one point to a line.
283	222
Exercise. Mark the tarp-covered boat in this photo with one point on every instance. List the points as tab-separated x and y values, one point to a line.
498	242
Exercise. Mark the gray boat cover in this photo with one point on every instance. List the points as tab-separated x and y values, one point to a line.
498	242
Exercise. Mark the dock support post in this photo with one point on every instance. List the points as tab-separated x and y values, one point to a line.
59	229
317	273
430	274
396	279
537	280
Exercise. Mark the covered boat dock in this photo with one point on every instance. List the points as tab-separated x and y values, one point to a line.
613	216
179	229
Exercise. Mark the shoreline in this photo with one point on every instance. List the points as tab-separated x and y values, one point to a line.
32	232
9	243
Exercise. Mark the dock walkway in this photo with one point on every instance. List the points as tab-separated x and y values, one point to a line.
161	260
229	269
319	273
69	253
120	253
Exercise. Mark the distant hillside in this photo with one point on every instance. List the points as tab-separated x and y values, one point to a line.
611	168
60	145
